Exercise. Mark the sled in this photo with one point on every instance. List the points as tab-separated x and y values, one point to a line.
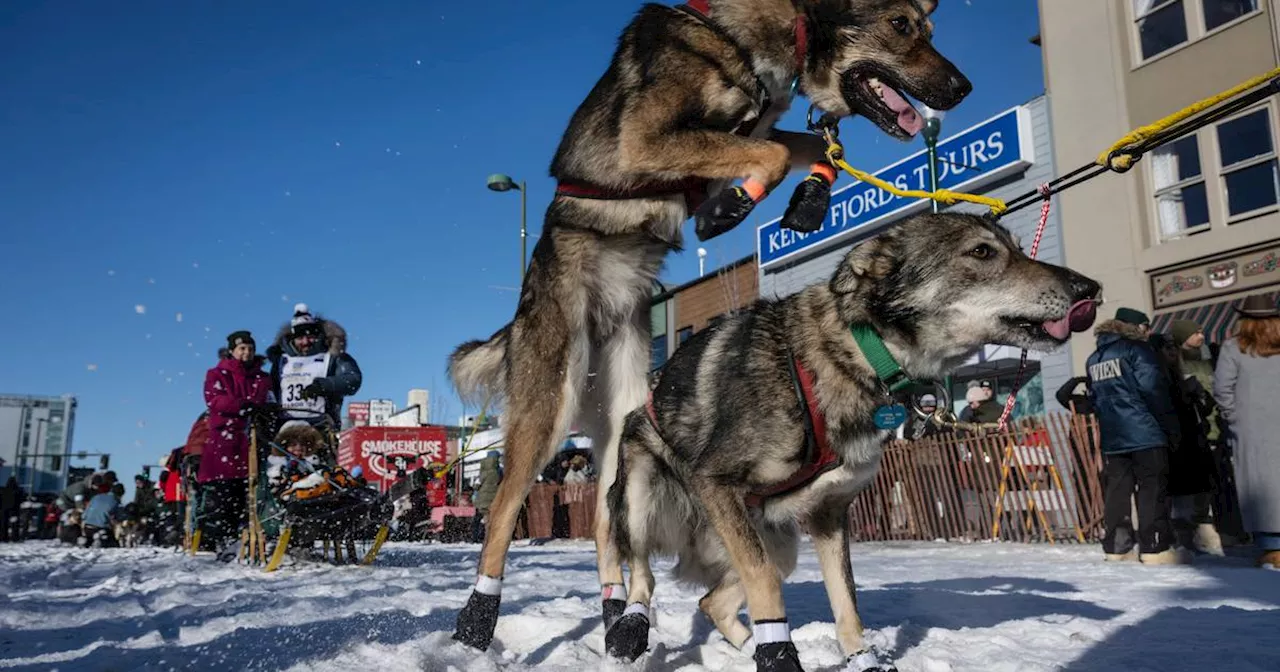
351	521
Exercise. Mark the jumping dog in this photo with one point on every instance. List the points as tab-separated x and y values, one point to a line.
687	105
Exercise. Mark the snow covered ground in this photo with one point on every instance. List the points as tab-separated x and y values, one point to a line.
936	607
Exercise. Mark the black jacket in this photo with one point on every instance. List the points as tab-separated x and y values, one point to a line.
1130	391
344	376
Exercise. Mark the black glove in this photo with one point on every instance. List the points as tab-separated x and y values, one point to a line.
312	391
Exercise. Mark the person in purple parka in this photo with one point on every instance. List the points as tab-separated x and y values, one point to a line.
233	389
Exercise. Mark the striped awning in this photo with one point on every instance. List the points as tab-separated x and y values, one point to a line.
1216	319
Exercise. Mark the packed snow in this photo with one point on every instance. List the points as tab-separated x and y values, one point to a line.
934	607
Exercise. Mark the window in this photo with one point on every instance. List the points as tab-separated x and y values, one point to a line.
658	353
1220	12
1161	24
683	335
1248	158
1221	175
1181	203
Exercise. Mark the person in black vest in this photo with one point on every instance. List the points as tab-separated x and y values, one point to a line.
1138	427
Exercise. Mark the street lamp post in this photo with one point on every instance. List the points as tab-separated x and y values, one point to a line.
932	127
500	182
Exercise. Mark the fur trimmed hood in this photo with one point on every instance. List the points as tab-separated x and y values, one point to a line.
1122	329
335	337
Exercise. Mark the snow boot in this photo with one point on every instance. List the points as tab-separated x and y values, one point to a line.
777	657
613	611
867	660
1169	556
629	636
1122	557
1206	540
477	620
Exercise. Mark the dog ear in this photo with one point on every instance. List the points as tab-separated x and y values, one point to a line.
873	259
928	6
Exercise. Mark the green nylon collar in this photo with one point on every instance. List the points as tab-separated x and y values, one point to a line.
886	367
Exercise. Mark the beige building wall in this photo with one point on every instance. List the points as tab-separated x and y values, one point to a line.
1099	89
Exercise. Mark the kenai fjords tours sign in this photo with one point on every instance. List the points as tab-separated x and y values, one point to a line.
981	154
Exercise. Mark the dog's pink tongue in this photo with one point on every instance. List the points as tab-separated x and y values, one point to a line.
1058	329
908	118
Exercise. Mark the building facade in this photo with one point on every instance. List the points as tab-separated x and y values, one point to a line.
1004	156
676	314
1194	227
35	441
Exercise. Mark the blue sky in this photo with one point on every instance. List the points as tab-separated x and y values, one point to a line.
215	163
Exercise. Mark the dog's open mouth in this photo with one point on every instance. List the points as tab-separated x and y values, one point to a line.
1080	317
875	98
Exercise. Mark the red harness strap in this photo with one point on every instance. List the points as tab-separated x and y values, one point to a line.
819	459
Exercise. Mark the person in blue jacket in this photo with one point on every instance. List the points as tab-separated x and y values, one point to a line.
311	370
101	515
1138	426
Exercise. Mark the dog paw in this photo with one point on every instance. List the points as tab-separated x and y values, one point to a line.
809	205
477	620
628	637
867	660
612	611
722	212
777	657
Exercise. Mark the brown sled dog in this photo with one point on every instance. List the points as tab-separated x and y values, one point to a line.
765	423
687	104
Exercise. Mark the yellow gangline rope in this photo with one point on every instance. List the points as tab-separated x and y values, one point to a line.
944	196
1122	162
1111	158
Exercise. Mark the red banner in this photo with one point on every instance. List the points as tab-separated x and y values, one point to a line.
379	451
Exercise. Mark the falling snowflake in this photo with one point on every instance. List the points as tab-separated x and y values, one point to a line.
337	144
151	281
397	153
181	373
140	309
111	272
195	264
168	380
92	367
178	317
162	372
148	337
284	297
418	62
207	329
288	193
190	344
142	423
388	150
138	443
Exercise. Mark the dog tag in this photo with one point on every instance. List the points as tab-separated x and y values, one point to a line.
891	416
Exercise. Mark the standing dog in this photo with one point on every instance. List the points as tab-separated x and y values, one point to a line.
765	422
687	104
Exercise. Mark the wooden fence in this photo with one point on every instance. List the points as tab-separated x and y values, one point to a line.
1036	482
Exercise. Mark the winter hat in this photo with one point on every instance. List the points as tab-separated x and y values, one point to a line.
238	337
1184	329
303	321
1131	316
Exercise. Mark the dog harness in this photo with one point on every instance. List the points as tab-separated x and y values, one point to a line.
819	458
694	189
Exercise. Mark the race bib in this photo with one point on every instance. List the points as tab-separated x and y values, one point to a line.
296	374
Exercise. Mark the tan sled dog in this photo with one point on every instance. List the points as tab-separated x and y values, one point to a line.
766	422
687	105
